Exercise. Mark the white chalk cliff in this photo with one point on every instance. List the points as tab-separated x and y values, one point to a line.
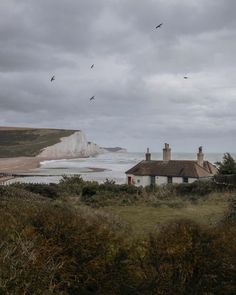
75	145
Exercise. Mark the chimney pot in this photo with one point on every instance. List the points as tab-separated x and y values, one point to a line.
148	155
200	157
166	153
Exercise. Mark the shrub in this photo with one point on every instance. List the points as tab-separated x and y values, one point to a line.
227	166
231	213
200	188
16	192
71	185
87	192
51	248
184	258
46	190
54	249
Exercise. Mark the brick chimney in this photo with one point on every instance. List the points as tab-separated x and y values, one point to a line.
148	155
166	152
200	157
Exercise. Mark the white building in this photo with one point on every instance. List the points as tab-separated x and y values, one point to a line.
149	171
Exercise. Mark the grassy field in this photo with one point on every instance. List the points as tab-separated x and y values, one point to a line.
28	142
144	218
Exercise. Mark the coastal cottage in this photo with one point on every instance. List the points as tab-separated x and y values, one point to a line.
152	172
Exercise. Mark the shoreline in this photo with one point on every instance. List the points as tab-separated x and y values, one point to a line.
27	164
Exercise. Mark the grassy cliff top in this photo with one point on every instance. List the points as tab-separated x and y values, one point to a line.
28	142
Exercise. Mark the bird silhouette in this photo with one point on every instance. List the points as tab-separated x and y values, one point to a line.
185	77
53	78
158	27
92	66
91	98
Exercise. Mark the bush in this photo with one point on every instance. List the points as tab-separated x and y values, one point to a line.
71	185
45	190
88	191
231	213
227	166
51	248
184	258
17	192
56	250
200	188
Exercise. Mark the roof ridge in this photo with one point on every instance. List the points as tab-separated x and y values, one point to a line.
203	167
210	166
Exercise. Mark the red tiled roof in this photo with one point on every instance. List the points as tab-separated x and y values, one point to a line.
174	168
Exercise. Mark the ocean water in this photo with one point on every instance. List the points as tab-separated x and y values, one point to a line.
113	164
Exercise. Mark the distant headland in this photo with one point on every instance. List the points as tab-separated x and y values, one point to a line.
115	149
23	148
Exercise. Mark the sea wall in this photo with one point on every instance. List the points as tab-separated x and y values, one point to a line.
75	145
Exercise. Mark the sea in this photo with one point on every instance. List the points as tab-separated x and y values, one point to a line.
111	166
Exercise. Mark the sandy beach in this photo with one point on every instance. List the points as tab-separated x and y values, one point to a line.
25	164
19	164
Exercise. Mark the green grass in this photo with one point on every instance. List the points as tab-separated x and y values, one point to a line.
145	218
28	142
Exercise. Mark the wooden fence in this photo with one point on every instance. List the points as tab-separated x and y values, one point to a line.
229	180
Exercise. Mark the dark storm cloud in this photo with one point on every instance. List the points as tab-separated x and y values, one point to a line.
141	98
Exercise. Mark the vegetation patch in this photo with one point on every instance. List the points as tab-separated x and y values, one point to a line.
51	247
80	237
28	142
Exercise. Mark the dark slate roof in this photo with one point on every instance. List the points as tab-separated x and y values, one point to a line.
174	168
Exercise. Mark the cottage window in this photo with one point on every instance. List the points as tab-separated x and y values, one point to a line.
185	179
169	179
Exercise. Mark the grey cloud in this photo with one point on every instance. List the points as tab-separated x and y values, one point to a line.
141	97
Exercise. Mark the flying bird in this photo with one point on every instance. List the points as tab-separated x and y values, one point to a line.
91	98
92	66
185	77
53	78
158	27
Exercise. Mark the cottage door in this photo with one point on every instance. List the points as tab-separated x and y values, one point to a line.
129	180
153	180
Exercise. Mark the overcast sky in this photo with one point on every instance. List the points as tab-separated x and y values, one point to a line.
141	97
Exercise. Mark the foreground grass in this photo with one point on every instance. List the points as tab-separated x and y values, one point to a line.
48	247
144	210
82	238
144	218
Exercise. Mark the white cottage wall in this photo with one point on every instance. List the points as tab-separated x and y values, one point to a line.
139	180
160	180
177	180
190	180
180	180
142	180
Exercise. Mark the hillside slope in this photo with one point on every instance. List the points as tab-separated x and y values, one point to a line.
30	142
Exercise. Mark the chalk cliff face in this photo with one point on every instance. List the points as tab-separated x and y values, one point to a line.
75	145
